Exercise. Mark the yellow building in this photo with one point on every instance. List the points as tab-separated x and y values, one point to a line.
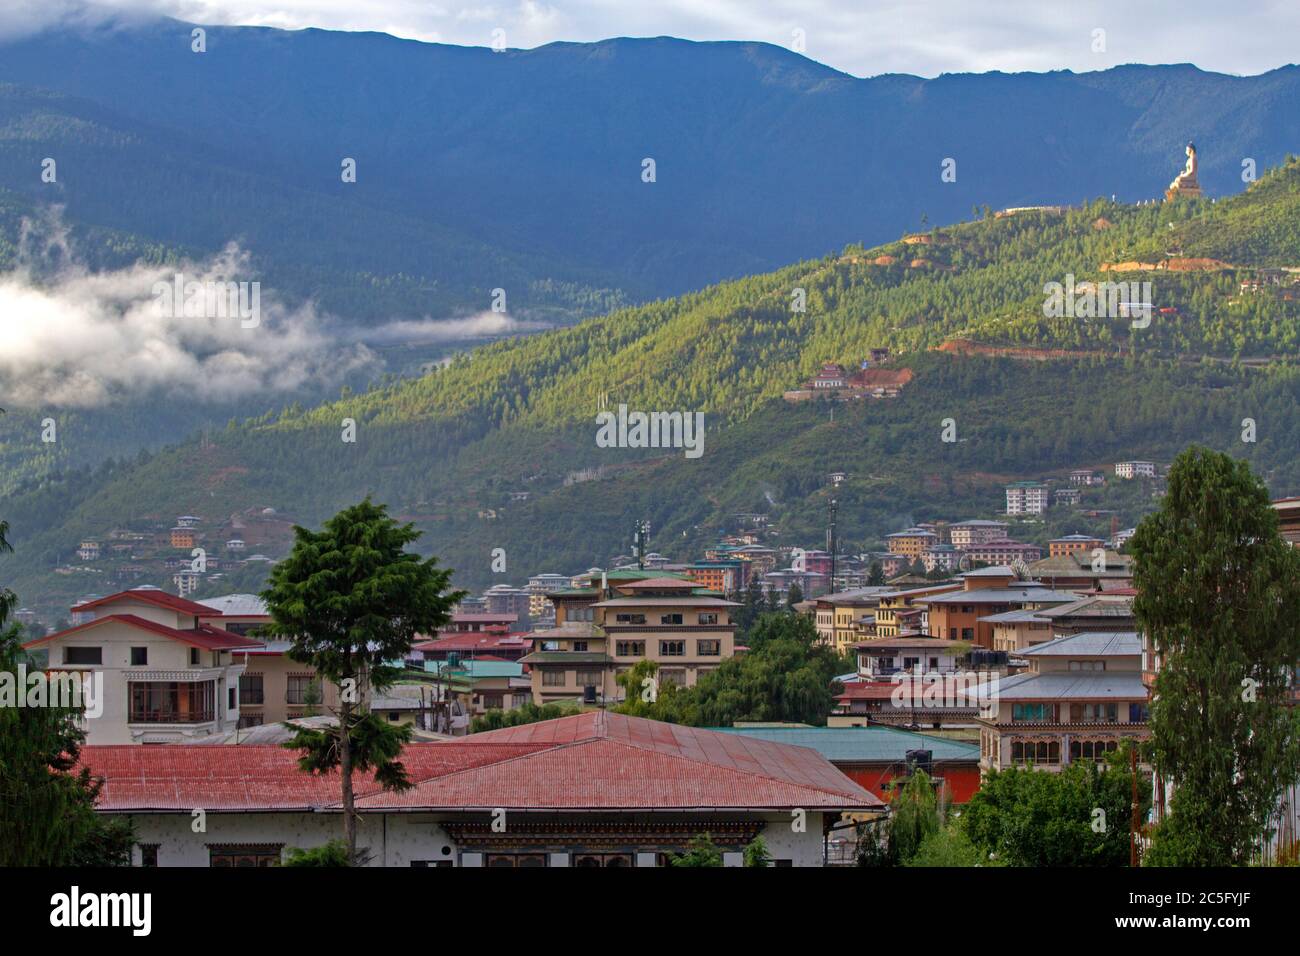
625	617
894	605
912	542
847	617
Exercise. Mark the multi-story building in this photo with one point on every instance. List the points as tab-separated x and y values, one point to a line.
169	667
912	542
901	611
941	557
1081	697
1073	543
1067	497
187	581
538	587
1013	631
1135	469
505	599
960	614
1086	478
182	537
842	618
88	551
1002	551
964	534
620	619
1288	519
1084	571
1026	498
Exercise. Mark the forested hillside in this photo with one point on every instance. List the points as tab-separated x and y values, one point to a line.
448	450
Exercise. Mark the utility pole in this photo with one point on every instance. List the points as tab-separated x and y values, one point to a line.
1133	835
638	537
830	546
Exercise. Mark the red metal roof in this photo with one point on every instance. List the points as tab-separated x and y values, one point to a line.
205	637
593	760
474	641
151	596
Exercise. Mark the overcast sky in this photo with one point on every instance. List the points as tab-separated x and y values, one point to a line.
862	37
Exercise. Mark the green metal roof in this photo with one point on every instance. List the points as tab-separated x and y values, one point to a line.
861	744
476	670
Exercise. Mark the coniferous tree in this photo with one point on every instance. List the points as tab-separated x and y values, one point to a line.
47	801
350	598
1219	600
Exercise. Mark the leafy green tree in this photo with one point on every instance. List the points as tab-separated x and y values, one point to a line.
793	596
701	851
1219	598
1078	817
333	853
529	713
876	575
756	853
350	598
914	817
948	847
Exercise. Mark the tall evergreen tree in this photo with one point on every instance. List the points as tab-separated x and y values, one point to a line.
350	598
1219	599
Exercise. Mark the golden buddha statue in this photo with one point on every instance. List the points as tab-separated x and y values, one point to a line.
1185	183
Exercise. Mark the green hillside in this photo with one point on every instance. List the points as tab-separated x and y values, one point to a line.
447	450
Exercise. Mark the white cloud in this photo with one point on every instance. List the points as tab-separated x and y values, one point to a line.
78	339
924	37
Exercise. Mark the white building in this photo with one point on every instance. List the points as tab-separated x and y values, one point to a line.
168	671
1135	469
593	790
1026	498
963	534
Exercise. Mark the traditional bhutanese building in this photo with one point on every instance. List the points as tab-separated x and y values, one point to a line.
593	790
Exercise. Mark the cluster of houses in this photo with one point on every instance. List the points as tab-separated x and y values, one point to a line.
976	672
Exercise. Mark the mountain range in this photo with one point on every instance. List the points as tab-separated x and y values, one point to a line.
777	181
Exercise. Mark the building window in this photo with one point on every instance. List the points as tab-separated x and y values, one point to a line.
174	702
493	701
672	675
934	662
514	860
83	655
711	618
250	720
968	633
552	677
1138	714
267	854
1094	713
629	648
1091	749
231	693
1035	751
708	648
251	692
149	854
672	648
1033	713
580	646
603	859
670	619
139	657
299	687
589	678
194	657
1087	665
629	618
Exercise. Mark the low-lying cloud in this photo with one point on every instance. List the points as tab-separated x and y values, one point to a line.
74	338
